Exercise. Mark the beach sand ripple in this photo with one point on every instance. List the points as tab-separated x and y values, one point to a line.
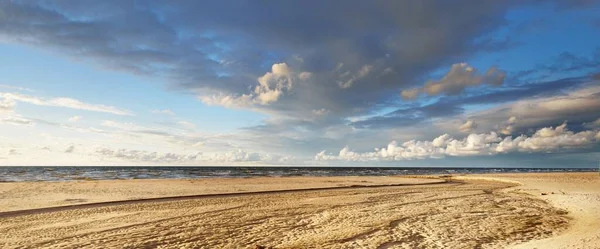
470	214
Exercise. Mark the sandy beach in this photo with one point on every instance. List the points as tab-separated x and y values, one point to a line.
549	210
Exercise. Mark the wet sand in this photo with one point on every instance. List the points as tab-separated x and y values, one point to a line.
336	212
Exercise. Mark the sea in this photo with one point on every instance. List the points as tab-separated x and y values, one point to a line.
67	173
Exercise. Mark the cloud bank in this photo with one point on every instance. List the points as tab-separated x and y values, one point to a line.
547	139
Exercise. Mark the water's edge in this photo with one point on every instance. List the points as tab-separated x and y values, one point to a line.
64	173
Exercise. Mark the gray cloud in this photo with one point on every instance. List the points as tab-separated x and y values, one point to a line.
468	126
460	76
220	49
70	149
359	56
453	105
577	107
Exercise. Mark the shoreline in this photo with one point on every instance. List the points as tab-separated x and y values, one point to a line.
9	174
507	190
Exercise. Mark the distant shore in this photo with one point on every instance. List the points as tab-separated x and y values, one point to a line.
525	210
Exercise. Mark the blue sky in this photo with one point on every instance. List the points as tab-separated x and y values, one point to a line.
390	83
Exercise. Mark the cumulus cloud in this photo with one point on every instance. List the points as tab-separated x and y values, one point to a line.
229	101
547	139
271	86
146	156
460	76
594	124
320	112
241	155
63	102
410	94
468	126
237	156
6	105
154	157
346	78
509	127
75	119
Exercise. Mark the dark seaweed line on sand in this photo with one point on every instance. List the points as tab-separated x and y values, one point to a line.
16	213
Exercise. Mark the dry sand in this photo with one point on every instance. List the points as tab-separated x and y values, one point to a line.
578	193
30	195
463	214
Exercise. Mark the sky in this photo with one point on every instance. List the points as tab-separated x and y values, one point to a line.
300	83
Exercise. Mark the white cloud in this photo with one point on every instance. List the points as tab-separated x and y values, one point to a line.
18	88
16	120
468	126
507	130
146	156
229	101
304	76
346	79
272	84
7	105
63	102
547	139
271	87
237	156
75	119
241	155
593	124
164	112
460	76
320	112
509	127
410	94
